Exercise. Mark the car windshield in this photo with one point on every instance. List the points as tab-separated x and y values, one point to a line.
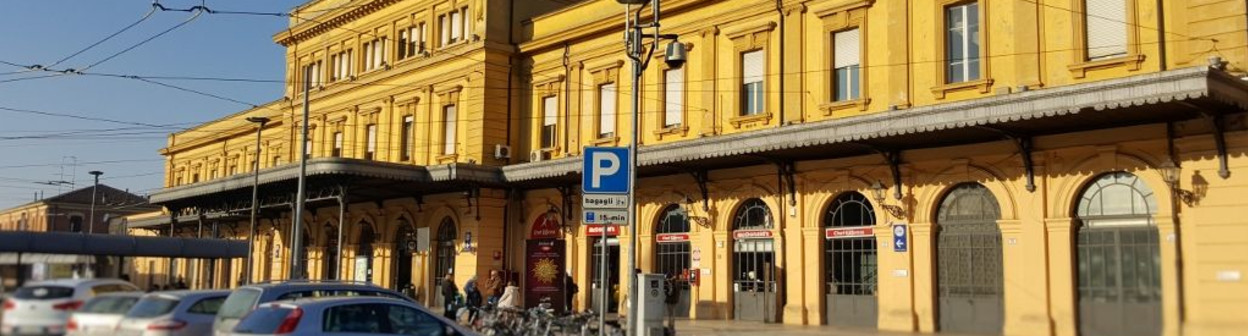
152	306
43	292
238	303
263	320
109	305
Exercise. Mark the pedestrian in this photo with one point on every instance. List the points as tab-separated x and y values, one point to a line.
672	289
510	297
494	286
182	285
569	291
449	292
472	298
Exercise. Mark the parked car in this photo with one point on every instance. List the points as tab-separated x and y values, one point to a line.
347	316
99	316
43	307
173	313
246	298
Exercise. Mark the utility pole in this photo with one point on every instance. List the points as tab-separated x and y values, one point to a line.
255	197
91	217
300	194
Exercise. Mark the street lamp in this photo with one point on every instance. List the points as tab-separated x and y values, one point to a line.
91	217
1171	173
255	193
877	191
675	57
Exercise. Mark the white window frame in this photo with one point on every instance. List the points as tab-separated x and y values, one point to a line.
408	126
847	61
753	84
550	121
673	97
337	150
1109	19
449	123
608	110
963	64
370	149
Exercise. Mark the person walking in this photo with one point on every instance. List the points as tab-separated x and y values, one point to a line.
449	292
472	298
672	289
569	291
494	286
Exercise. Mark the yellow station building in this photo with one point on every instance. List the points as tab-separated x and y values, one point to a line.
1051	167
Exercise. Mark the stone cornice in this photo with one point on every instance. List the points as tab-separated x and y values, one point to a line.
326	22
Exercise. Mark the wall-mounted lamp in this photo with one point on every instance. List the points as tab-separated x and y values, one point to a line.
878	193
1170	173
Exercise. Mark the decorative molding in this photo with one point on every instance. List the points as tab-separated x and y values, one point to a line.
829	8
748	30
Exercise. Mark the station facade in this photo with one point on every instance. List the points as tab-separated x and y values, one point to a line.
1043	180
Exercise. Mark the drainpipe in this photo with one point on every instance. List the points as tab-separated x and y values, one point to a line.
1161	41
780	11
567	99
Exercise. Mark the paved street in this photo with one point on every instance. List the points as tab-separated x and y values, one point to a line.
718	327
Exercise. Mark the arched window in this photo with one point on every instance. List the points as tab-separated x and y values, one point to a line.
673	219
75	223
1118	256
970	286
672	251
849	209
753	214
1118	198
445	263
329	263
404	244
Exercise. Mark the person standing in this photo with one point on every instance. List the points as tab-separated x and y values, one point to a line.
671	290
494	286
449	292
569	291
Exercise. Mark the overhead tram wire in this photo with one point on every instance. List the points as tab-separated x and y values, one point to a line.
197	12
146	16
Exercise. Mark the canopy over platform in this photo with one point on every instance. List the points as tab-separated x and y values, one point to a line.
118	245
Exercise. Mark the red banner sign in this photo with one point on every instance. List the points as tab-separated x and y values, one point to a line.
544	273
672	237
849	232
748	234
546	227
596	230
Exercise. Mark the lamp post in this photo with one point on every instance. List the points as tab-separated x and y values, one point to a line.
91	216
641	56
301	194
255	195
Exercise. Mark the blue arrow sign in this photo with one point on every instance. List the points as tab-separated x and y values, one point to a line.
899	238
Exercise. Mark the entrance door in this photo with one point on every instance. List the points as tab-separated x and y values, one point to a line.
754	283
671	253
850	262
1119	259
404	243
364	254
613	275
445	262
968	254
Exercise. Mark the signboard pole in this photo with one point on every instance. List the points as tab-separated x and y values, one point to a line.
602	280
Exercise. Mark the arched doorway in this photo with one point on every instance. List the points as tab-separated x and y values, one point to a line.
364	253
404	248
672	248
849	261
968	259
754	263
445	257
329	263
1119	258
303	257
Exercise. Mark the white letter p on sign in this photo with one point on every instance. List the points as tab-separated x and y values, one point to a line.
601	169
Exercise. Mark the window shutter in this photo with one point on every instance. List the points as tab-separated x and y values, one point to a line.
550	110
606	117
752	66
847	51
675	96
1106	28
449	132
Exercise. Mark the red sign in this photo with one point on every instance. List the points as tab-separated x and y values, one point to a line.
498	255
544	273
747	234
546	227
849	232
596	230
672	237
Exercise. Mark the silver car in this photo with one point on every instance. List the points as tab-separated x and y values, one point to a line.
346	316
43	307
99	316
185	312
248	297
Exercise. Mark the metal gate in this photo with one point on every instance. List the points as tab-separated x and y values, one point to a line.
754	265
445	260
1119	259
671	253
404	244
970	285
613	274
850	263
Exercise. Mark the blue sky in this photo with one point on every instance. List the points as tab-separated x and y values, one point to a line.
44	31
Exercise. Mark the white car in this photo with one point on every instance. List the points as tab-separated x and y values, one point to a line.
99	316
346	316
174	313
43	307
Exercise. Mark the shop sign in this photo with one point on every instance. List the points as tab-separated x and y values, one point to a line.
849	232
546	227
672	237
544	275
596	230
751	234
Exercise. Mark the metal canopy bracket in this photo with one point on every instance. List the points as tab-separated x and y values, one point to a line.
1219	139
565	197
701	178
1025	146
893	158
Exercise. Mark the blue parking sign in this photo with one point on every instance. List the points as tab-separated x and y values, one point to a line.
899	238
605	171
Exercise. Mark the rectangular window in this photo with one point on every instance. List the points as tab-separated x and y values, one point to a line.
457	26
340	64
405	43
368	55
448	130
752	64
606	110
846	65
962	43
550	118
307	145
674	97
370	149
422	40
411	41
444	27
375	54
312	73
405	139
337	152
1105	23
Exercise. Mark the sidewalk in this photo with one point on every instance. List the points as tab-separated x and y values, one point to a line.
728	327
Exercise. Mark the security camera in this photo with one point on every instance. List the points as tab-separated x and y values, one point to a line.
676	55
